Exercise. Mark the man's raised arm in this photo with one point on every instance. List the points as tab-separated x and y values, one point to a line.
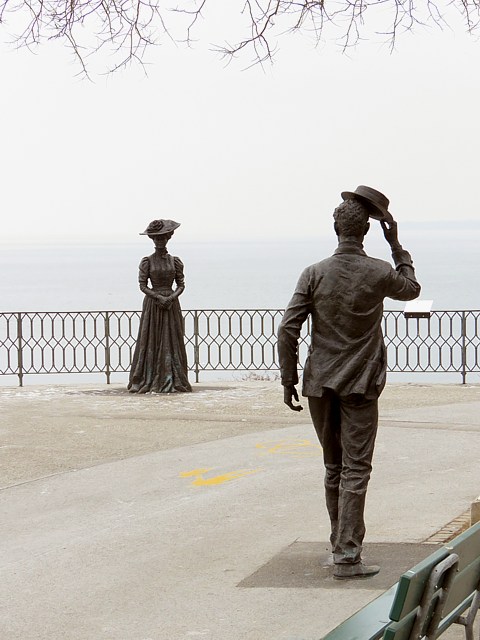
404	285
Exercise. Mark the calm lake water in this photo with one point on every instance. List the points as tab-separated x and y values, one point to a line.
225	275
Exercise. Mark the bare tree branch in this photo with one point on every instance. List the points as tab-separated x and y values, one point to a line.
129	28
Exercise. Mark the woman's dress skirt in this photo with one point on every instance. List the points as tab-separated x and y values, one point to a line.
160	361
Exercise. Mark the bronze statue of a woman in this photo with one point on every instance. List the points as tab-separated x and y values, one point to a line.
160	361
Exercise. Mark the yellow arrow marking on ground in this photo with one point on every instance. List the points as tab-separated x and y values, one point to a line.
200	481
294	448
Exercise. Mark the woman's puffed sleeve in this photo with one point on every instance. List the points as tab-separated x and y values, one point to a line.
179	277
143	275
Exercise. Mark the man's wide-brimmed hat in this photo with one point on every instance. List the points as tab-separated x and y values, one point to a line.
160	227
375	202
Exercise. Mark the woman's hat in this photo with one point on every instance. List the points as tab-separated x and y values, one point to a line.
375	202
159	227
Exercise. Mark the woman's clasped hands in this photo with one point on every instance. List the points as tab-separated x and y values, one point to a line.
165	302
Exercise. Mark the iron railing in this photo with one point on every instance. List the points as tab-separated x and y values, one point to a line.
220	340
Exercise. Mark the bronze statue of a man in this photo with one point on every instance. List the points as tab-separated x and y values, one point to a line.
345	371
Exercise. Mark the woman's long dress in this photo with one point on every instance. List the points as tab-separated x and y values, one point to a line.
160	361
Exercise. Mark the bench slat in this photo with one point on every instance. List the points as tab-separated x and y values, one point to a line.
368	623
402	629
464	584
466	546
412	585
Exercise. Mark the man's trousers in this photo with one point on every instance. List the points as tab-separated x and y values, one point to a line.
346	427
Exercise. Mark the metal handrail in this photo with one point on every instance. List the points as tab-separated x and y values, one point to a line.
43	342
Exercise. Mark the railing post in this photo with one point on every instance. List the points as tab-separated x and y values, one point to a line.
464	348
107	346
20	349
196	350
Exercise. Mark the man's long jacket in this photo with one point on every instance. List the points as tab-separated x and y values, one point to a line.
344	296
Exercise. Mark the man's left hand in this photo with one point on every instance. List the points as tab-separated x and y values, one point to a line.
290	392
390	232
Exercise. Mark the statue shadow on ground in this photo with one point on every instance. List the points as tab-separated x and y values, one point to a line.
307	565
122	391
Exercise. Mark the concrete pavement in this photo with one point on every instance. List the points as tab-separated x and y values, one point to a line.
202	515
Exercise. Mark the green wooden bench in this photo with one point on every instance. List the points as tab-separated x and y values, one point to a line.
441	590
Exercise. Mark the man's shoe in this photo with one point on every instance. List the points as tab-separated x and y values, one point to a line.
357	570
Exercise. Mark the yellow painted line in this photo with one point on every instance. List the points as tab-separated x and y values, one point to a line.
200	481
293	448
194	472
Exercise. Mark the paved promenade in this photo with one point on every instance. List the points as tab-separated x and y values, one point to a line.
201	516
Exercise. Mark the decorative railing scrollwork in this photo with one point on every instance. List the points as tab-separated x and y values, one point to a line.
220	340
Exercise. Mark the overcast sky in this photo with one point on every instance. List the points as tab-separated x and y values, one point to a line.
238	154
